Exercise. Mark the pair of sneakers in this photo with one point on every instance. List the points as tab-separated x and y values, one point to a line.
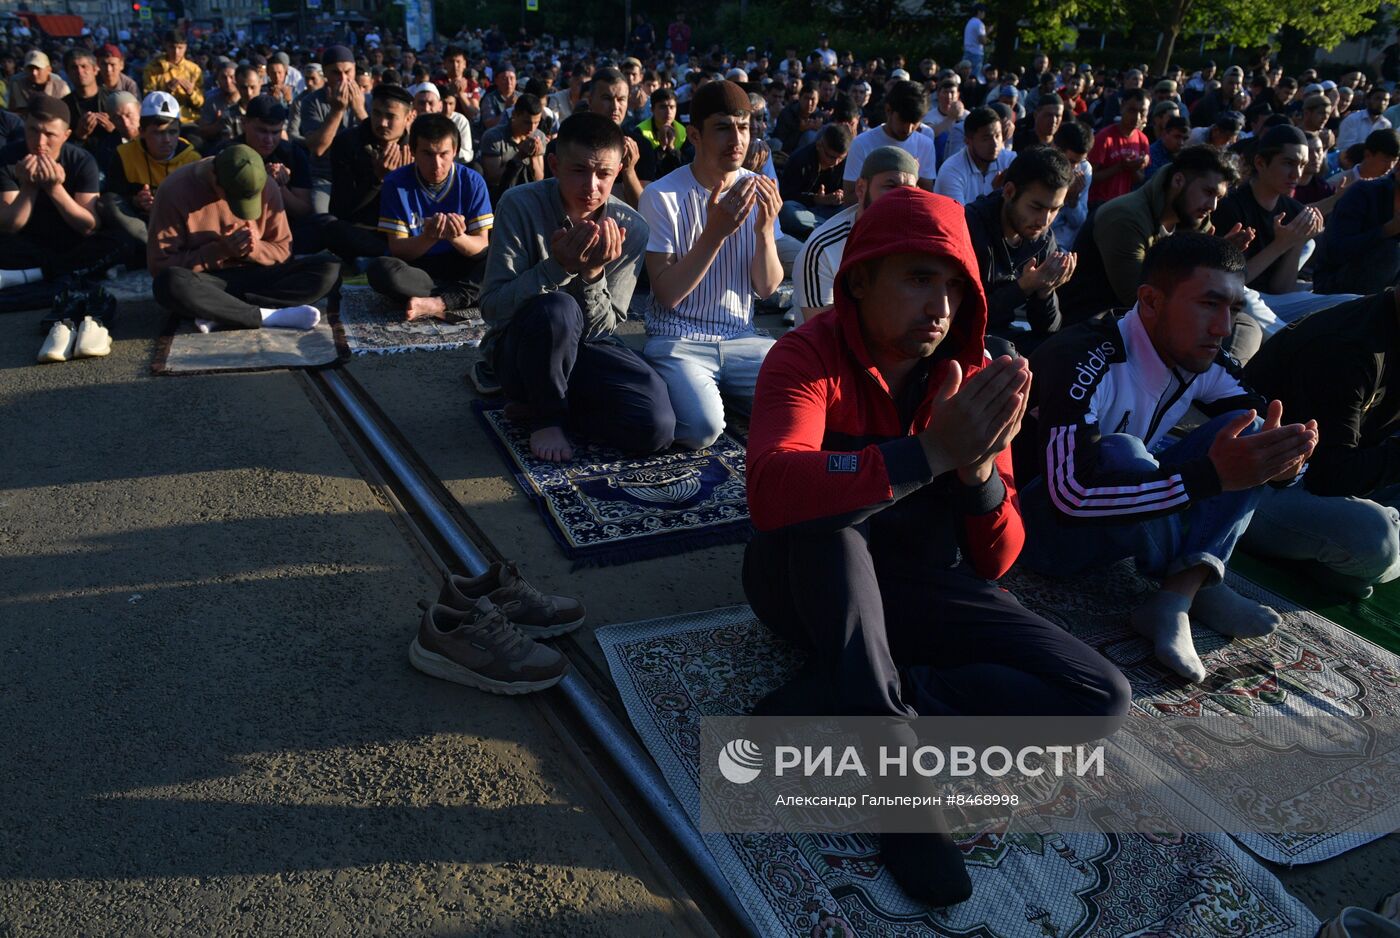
66	341
482	633
1356	922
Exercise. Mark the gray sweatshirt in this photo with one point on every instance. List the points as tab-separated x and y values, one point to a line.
519	268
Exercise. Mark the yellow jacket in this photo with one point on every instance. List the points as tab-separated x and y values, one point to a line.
159	74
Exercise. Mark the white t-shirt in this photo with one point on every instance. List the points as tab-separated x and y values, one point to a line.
814	271
828	57
918	145
721	305
972	35
960	179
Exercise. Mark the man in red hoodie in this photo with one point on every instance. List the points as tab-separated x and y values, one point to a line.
880	483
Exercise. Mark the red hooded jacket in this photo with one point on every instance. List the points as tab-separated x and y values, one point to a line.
827	448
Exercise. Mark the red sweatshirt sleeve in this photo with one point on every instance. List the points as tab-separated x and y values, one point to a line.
791	479
994	538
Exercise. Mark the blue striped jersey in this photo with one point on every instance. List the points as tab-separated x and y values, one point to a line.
404	203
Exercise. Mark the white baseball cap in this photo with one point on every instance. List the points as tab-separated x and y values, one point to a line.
160	104
427	86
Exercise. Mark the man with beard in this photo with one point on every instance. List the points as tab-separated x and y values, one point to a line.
1017	256
1113	242
1361	123
437	217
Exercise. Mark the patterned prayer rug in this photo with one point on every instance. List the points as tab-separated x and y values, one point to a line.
604	508
670	672
1310	671
374	325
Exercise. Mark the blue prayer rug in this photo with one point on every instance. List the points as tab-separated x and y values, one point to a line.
604	508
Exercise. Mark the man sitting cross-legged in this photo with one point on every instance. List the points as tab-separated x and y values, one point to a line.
221	249
712	247
1109	390
437	216
563	264
881	486
129	192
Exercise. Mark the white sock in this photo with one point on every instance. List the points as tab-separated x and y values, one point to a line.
16	278
292	317
1163	619
1227	612
205	325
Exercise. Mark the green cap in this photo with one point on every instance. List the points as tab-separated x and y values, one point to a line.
241	174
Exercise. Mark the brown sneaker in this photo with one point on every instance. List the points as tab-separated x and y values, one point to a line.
534	613
480	648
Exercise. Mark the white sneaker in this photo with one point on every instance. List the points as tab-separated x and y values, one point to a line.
93	339
1353	922
59	345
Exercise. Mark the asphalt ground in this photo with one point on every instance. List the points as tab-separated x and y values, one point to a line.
207	717
208	720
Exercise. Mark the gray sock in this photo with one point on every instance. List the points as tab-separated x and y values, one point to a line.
1164	619
1227	612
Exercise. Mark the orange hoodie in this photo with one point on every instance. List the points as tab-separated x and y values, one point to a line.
189	220
826	445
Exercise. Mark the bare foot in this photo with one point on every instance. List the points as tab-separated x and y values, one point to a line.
551	444
425	307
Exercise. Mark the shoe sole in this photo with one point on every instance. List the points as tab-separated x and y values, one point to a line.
435	665
548	631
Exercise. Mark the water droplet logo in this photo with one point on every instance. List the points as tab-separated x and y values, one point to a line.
740	761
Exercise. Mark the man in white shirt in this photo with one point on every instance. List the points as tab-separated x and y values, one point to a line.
975	38
824	50
814	274
972	172
1358	125
712	247
946	117
904	108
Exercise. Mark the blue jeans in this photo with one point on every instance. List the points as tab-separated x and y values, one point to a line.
1274	311
701	375
1204	533
799	221
1358	538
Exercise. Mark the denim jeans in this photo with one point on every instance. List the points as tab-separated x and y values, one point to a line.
1355	537
1276	310
701	375
799	221
1203	533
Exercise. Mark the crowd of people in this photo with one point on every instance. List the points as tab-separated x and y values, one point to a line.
1058	314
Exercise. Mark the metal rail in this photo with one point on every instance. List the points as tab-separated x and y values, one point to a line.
612	737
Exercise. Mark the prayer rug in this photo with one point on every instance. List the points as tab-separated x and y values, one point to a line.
1376	618
187	351
670	672
374	325
604	508
1310	671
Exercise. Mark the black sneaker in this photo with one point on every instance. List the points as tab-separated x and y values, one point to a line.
483	377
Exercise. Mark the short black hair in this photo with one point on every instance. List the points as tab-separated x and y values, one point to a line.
661	94
589	132
453	51
843	109
1177	123
1073	135
1195	161
432	128
175	36
529	104
1041	164
606	76
1050	100
388	91
242	70
979	118
1133	94
1173	259
835	136
537	87
907	100
1383	141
